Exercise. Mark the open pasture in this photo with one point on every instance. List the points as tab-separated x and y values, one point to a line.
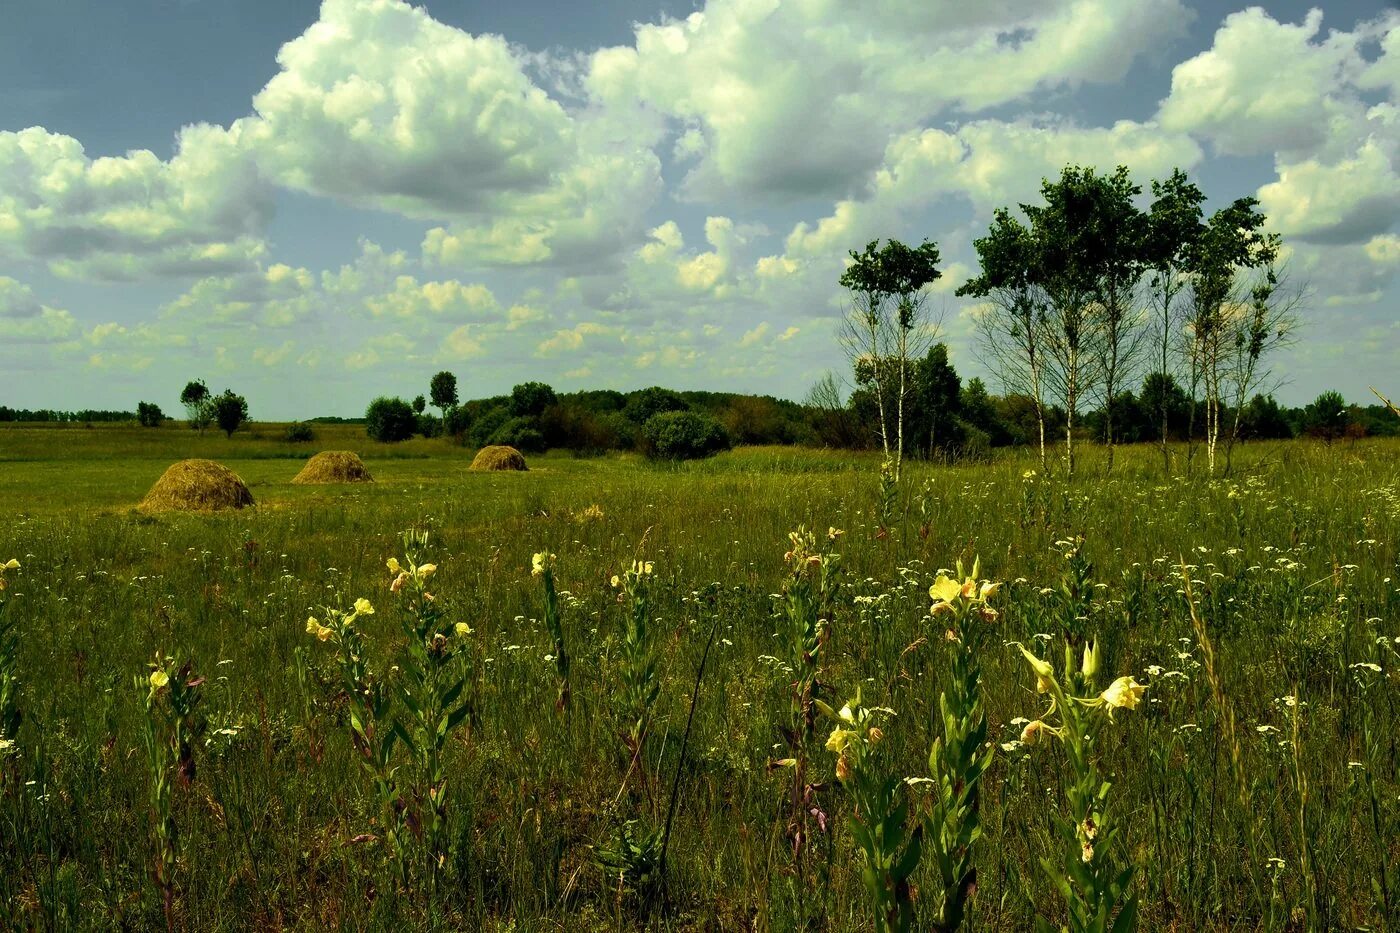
1253	787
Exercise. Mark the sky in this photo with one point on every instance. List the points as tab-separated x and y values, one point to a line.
316	204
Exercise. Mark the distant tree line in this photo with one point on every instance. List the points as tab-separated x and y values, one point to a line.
48	415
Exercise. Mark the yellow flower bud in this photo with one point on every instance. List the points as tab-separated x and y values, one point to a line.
11	564
843	769
1044	673
426	571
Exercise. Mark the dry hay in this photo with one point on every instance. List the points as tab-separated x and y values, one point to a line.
197	486
334	466
498	457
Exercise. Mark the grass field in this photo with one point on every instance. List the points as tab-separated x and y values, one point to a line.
1254	787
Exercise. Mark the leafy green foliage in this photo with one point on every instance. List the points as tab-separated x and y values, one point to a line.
390	419
684	435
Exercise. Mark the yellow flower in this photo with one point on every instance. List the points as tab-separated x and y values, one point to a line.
393	565
1123	693
11	564
843	769
312	625
1044	673
323	633
839	739
944	589
398	581
462	628
363	607
988	591
540	563
833	532
159	679
426	571
616	580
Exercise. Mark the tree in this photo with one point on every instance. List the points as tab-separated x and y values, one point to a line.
1067	271
195	398
1166	400
1327	416
936	400
1011	326
684	435
230	411
886	325
831	416
530	399
149	415
419	404
1117	264
389	420
1173	226
644	403
443	392
1236	315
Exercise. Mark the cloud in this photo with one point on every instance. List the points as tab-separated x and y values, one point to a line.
1266	86
379	105
1348	201
133	216
17	301
790	100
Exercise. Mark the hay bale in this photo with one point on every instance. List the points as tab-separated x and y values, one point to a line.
197	486
498	457
334	466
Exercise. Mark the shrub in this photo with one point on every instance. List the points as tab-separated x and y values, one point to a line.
389	420
457	422
429	426
149	414
519	433
684	435
299	432
486	424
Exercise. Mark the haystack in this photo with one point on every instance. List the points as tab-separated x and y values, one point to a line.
498	457
334	466
197	486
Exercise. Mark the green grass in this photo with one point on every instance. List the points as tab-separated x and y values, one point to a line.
1297	577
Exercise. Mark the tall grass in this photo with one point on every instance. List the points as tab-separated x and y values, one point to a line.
1254	787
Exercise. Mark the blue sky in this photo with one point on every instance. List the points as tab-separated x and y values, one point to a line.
317	204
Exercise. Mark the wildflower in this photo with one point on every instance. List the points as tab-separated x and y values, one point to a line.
944	591
839	739
1044	673
312	624
363	607
399	581
833	533
1123	693
393	565
159	679
426	571
1029	474
876	734
462	628
1031	734
540	563
843	769
11	564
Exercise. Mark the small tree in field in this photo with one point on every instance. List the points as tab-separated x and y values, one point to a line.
419	404
443	392
230	411
1327	416
389	420
196	399
149	415
530	399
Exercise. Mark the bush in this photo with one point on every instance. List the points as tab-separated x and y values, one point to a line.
299	432
429	425
519	433
684	435
149	414
388	420
457	422
485	425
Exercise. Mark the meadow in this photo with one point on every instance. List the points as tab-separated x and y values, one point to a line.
1253	785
